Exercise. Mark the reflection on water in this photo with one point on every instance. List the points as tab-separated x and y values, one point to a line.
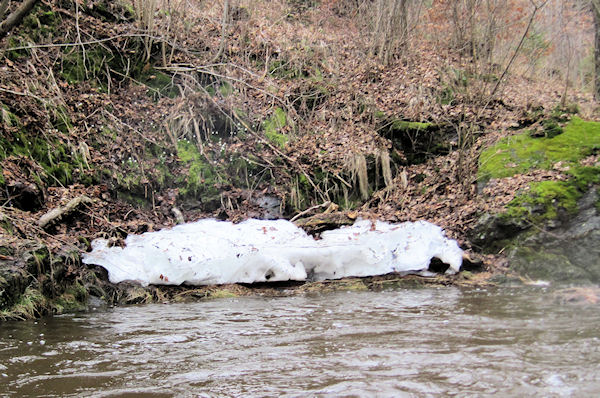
419	342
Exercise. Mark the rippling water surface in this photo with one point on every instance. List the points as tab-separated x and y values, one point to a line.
416	342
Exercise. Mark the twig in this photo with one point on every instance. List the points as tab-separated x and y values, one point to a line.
3	8
277	151
105	112
5	90
15	17
203	69
136	81
536	8
339	177
83	53
88	42
297	216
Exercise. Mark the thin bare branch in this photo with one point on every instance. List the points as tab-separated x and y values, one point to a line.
15	18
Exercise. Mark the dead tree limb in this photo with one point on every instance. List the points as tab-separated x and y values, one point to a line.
15	17
56	214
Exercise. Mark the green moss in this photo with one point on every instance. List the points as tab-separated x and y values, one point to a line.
162	175
201	177
547	200
101	63
129	11
226	89
446	95
31	304
284	69
131	181
551	128
222	293
60	119
73	299
273	127
78	67
50	153
38	27
379	115
133	199
41	24
16	42
8	118
583	177
521	153
7	226
40	18
110	11
544	201
161	84
403	125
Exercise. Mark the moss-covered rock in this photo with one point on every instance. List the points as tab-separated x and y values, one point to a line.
417	141
564	212
521	153
569	253
73	299
546	201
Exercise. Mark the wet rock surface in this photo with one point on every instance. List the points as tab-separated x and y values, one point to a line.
569	253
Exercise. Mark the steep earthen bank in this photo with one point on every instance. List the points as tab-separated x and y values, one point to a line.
272	132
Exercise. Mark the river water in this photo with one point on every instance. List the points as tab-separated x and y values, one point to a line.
404	342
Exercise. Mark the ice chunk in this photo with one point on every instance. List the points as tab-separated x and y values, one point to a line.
216	252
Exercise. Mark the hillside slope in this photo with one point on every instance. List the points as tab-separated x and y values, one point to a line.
281	112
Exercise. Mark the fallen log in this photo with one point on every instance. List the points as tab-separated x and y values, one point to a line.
57	214
325	221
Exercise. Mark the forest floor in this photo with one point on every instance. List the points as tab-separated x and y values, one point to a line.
293	109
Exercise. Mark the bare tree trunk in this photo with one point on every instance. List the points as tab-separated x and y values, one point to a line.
596	12
536	8
16	16
224	22
391	27
3	8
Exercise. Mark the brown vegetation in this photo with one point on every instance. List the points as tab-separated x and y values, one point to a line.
379	107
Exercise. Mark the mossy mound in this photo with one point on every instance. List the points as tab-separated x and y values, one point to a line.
521	153
417	141
546	200
202	175
562	205
33	282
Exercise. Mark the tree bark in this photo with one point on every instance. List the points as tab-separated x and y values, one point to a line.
596	13
224	22
3	8
16	17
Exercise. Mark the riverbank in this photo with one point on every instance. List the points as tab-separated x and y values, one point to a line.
111	129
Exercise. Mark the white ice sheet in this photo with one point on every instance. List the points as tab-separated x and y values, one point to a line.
209	252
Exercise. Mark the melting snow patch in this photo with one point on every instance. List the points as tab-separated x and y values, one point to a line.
210	252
